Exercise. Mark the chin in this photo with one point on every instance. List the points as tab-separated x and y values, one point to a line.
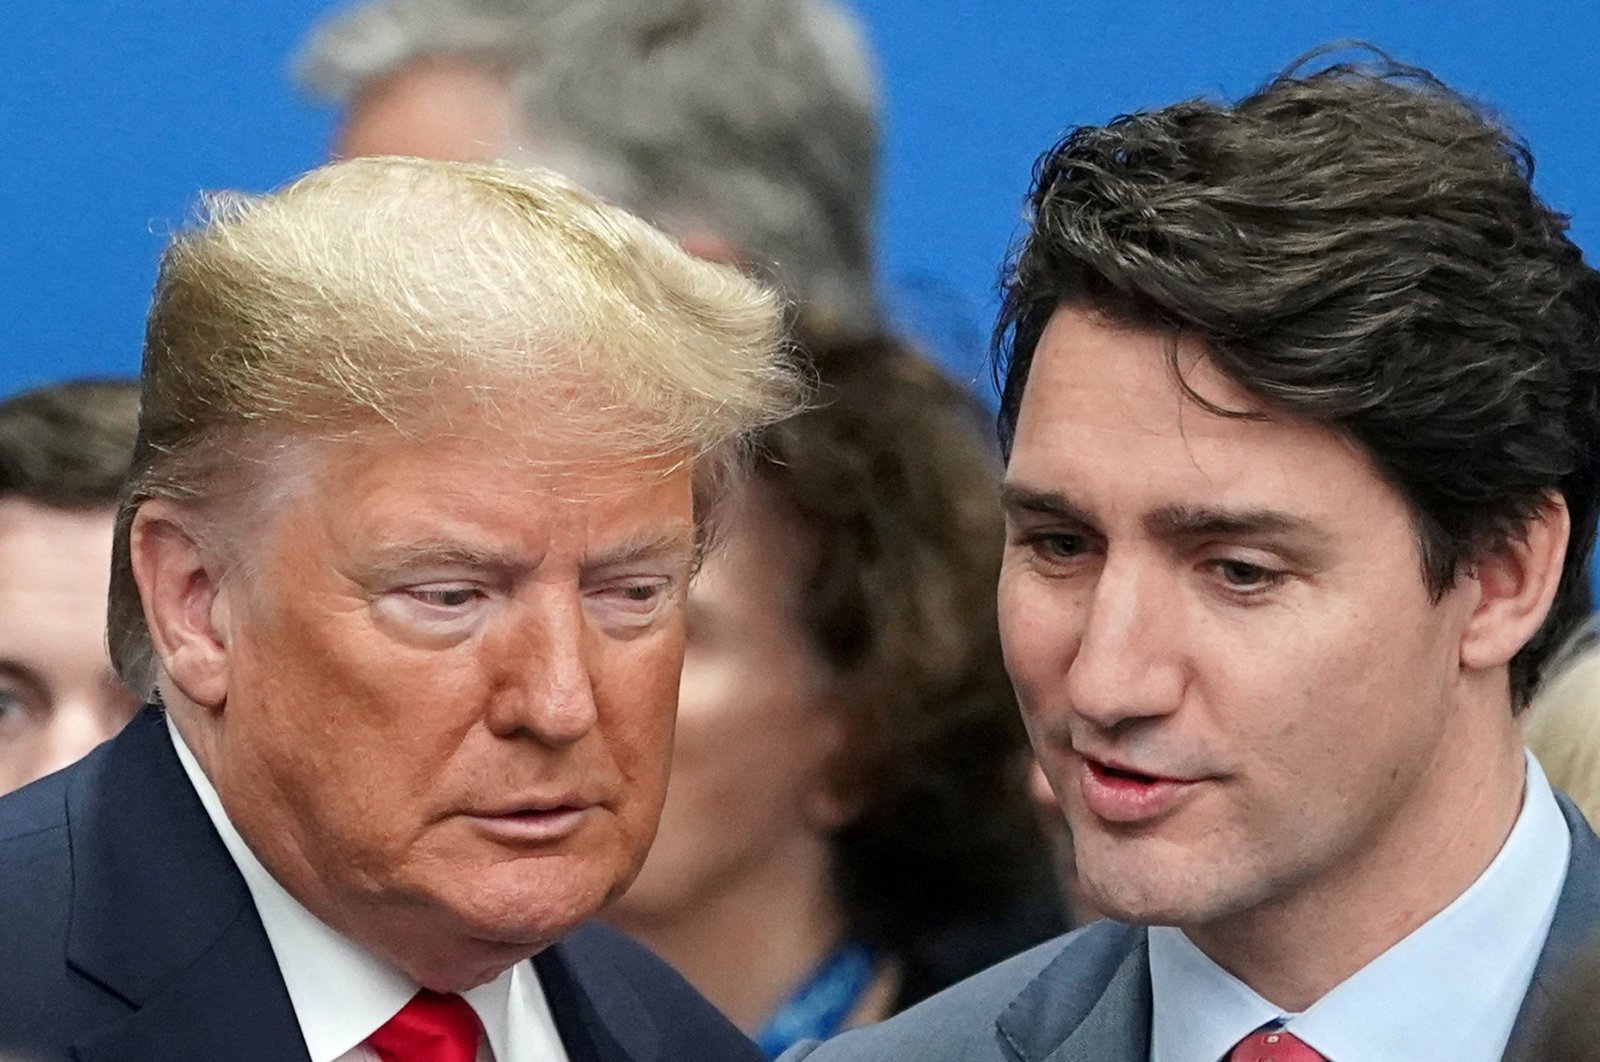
522	905
1170	896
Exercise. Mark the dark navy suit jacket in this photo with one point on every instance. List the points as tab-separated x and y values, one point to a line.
128	935
1086	997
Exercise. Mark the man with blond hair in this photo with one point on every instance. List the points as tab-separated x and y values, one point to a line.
427	454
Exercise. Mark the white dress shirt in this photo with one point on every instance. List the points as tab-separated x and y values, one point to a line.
1448	992
342	993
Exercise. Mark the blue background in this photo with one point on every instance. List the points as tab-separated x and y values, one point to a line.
114	113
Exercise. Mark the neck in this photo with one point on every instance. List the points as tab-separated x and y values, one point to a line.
1297	948
748	945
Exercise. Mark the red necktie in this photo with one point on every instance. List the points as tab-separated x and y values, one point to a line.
430	1028
1273	1045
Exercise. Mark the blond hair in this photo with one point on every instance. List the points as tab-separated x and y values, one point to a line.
1563	730
404	292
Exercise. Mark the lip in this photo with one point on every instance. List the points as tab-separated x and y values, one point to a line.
538	822
1113	796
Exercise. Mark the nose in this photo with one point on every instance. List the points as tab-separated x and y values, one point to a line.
545	688
1130	660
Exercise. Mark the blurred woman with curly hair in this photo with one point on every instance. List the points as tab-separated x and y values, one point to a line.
846	830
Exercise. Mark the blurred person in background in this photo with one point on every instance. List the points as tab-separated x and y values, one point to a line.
1562	727
747	129
64	453
427	455
846	830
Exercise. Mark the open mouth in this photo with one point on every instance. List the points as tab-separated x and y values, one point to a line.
1117	773
1123	795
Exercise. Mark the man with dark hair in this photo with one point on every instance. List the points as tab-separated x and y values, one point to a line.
64	452
1300	416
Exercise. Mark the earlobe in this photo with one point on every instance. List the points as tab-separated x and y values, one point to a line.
184	607
709	246
835	798
1517	583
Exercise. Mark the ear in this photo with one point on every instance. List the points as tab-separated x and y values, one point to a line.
1516	583
184	609
836	796
702	243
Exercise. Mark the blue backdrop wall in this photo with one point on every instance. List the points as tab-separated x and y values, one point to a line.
114	113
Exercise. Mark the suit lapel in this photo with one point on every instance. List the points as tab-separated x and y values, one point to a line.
597	1011
1091	1004
1575	926
162	920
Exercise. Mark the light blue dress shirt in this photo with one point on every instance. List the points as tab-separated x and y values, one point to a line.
1448	992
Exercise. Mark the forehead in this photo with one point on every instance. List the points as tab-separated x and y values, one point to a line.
54	570
438	107
55	550
1105	419
504	481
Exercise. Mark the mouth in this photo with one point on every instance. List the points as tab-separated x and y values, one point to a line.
1117	793
535	825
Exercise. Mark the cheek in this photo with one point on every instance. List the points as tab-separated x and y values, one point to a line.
1037	636
1318	690
636	688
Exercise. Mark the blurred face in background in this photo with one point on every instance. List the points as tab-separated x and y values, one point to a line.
434	108
751	793
58	695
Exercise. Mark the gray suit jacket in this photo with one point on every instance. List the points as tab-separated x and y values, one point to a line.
1085	997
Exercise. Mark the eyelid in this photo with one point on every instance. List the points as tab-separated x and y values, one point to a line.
421	591
613	596
1268	576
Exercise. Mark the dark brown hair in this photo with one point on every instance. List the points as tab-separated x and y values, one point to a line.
68	446
1359	246
892	475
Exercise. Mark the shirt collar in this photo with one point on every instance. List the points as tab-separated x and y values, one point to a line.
340	991
1476	958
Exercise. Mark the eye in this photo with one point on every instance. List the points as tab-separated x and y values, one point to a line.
16	718
631	602
451	597
1054	547
452	608
1244	577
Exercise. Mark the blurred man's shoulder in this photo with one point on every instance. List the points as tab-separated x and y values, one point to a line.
959	1024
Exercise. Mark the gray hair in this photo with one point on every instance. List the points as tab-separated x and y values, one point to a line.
754	118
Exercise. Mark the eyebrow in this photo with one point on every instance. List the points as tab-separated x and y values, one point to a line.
1172	521
1189	521
1014	497
403	559
673	543
21	674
